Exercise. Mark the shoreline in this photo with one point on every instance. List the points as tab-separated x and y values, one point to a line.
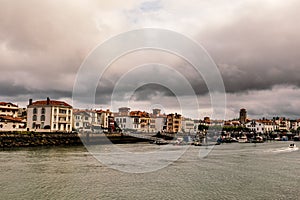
37	139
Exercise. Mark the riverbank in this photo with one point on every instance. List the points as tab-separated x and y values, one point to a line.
35	139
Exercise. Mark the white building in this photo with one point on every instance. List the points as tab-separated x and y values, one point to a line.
296	124
187	125
124	122
82	119
160	123
9	120
8	109
49	115
106	120
261	126
283	124
9	123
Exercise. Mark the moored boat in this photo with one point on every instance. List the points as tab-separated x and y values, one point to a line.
243	139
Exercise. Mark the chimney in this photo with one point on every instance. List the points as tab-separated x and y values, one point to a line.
30	101
48	100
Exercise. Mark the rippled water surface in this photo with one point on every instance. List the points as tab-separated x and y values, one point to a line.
231	171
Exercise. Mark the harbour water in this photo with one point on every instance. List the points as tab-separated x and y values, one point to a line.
230	171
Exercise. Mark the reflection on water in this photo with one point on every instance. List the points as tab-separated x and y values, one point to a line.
230	171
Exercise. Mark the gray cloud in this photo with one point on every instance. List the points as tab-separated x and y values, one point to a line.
259	49
43	43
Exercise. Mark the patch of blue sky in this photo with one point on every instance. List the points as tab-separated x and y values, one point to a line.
150	6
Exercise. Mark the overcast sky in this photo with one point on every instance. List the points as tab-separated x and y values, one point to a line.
255	44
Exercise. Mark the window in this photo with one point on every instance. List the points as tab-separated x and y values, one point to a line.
14	126
34	118
33	125
34	111
54	126
43	110
1	125
77	123
69	112
124	120
42	117
62	111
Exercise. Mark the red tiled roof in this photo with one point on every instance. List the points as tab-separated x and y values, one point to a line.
139	114
52	103
6	103
157	116
10	118
103	111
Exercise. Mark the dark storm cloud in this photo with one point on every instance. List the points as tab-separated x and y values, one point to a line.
151	90
259	49
17	91
9	89
42	44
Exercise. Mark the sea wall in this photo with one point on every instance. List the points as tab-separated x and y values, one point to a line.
31	139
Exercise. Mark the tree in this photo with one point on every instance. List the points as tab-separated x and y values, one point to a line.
202	127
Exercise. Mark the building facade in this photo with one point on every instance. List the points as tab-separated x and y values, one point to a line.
8	109
49	115
173	123
9	123
261	126
187	125
83	119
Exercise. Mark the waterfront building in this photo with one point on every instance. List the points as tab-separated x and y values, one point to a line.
8	109
140	121
295	125
128	121
196	124
159	124
9	123
83	119
9	118
123	122
49	115
282	123
187	125
124	111
157	121
173	123
22	112
217	122
123	119
106	120
261	126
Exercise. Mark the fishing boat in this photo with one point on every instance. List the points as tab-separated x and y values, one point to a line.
243	139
